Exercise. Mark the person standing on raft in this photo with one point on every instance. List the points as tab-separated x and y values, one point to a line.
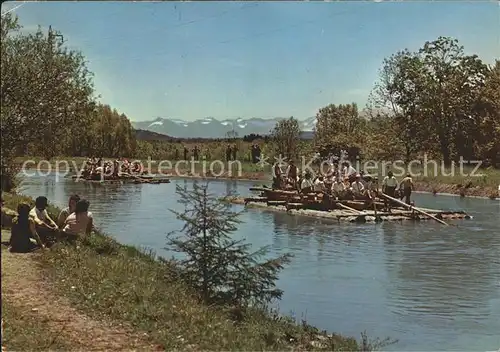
406	186
389	185
292	173
277	176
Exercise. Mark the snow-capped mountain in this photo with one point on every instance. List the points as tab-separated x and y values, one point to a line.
210	127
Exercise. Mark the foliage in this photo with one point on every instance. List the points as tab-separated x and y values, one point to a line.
338	127
48	102
433	96
488	108
221	269
285	136
252	137
45	88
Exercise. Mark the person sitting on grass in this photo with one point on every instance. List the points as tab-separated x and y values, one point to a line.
73	199
23	228
46	227
79	223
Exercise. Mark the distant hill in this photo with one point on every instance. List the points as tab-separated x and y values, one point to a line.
145	135
210	127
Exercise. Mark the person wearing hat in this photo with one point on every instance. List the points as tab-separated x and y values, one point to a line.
406	186
307	185
319	184
389	185
292	173
277	174
357	187
338	188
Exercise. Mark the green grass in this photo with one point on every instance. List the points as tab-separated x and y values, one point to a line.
104	278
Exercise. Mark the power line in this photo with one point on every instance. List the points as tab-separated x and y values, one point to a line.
14	8
213	16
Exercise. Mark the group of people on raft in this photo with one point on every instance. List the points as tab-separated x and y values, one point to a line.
98	168
342	182
35	223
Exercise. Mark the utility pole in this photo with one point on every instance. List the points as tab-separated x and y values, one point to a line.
48	62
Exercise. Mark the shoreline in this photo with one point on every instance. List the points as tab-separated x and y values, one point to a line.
132	276
445	189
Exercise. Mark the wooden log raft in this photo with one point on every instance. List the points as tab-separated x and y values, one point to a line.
315	205
122	180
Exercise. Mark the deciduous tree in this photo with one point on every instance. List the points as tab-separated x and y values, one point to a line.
286	136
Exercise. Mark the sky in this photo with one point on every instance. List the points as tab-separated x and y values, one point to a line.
189	60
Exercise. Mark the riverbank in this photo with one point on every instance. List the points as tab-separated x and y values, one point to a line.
484	183
108	296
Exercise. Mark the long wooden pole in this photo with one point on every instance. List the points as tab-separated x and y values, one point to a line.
413	208
351	209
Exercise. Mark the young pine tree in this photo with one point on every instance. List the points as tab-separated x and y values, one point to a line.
223	270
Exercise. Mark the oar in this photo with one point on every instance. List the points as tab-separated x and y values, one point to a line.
361	216
416	209
374	200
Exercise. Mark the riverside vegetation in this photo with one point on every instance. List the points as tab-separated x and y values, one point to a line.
437	101
214	299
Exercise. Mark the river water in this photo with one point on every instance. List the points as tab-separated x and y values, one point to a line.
429	286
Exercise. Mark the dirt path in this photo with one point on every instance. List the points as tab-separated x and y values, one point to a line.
24	288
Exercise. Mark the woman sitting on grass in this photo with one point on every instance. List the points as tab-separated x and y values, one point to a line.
78	223
23	228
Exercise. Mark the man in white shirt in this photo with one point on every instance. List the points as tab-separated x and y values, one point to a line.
349	171
319	184
357	187
307	185
338	188
389	185
46	227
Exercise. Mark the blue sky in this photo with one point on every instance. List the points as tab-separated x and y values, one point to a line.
189	60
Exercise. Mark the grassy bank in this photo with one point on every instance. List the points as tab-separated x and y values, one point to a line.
109	281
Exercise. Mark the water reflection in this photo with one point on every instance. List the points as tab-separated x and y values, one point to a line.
439	275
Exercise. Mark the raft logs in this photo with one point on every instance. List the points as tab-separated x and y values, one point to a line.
350	211
136	180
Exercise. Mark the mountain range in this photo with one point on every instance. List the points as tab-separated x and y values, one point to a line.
210	127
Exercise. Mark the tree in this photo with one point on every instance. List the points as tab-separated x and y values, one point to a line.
452	82
338	126
431	94
286	137
395	100
221	269
488	108
45	88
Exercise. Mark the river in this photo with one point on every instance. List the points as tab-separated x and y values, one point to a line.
431	287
